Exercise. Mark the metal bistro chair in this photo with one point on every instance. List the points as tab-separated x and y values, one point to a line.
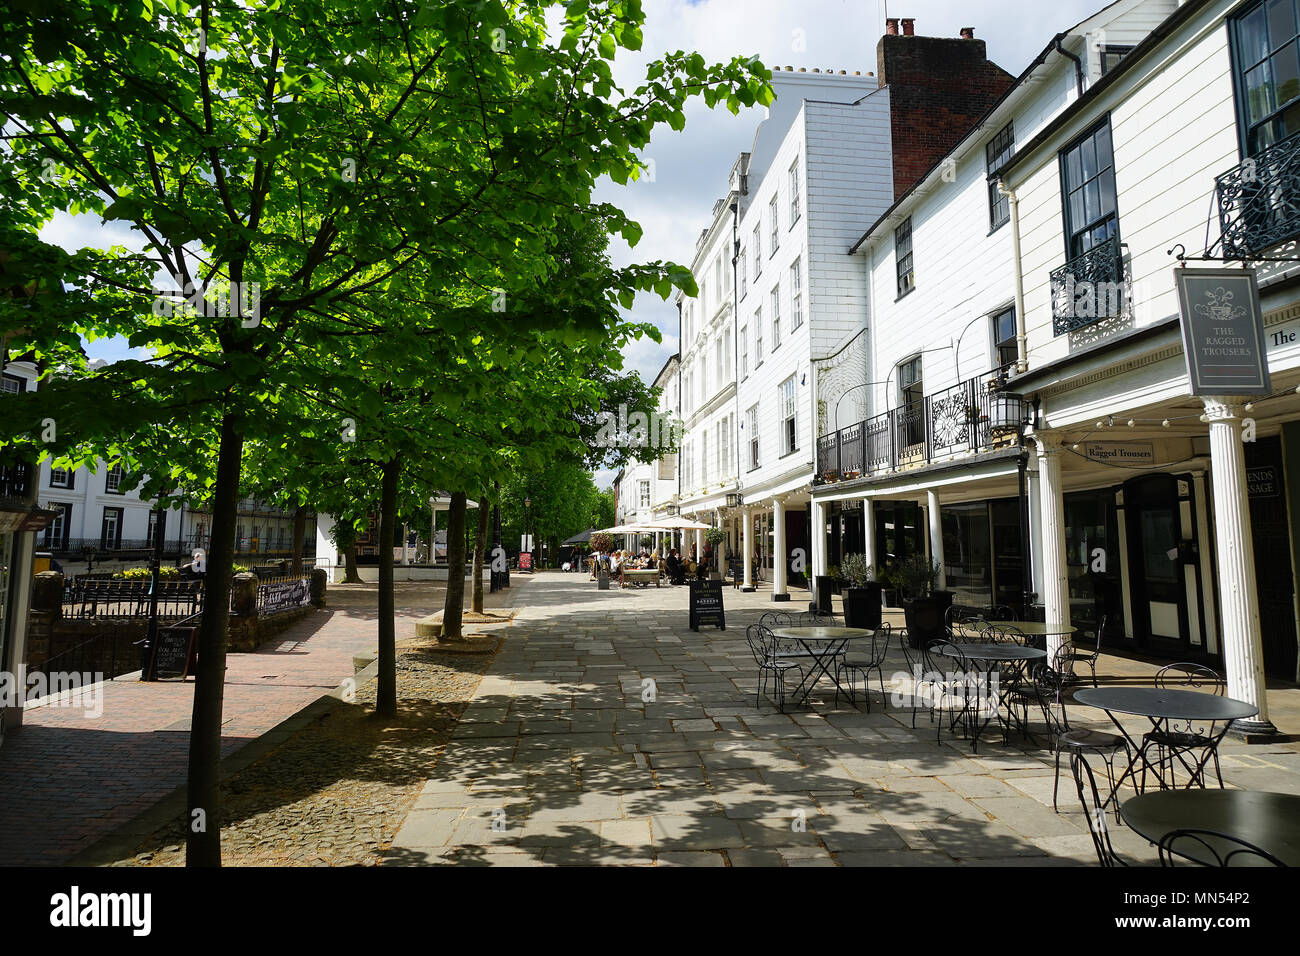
963	623
1077	741
1239	852
1177	739
1090	657
1094	811
760	641
944	687
873	660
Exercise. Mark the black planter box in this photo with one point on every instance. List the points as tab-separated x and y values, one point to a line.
825	589
926	618
862	606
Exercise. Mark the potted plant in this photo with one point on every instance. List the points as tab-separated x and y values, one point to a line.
923	607
862	607
837	579
716	538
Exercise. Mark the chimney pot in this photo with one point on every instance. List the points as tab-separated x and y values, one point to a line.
891	27
909	26
968	33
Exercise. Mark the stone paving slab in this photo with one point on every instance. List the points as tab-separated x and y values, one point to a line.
565	744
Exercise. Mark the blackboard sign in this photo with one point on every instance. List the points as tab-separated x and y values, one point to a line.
706	604
737	571
175	651
1223	331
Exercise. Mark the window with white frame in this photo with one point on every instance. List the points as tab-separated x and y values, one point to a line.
794	191
796	295
996	152
758	250
903	257
776	317
704	299
717	278
719	363
688	464
744	351
113	481
726	356
789	411
704	457
12	385
751	425
742	271
775	215
724	446
643	494
61	478
57	531
758	336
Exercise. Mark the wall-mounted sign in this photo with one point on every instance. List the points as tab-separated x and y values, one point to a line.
1261	482
1120	452
1223	331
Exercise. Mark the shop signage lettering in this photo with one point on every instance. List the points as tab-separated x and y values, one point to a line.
1120	453
1262	482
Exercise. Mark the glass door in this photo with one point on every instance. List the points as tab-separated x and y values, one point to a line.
1155	532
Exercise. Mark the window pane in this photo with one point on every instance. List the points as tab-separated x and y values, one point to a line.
1091	201
1286	76
1076	211
1259	100
1106	184
1102	139
1281	22
1072	174
1254	43
1088	157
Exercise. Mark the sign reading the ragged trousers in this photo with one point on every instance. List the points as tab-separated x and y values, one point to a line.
1223	331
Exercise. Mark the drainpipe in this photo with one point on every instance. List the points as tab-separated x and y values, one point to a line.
1021	341
1078	64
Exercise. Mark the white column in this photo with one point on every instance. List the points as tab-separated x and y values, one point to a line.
747	546
433	533
406	551
1055	589
818	543
936	536
1243	654
869	533
699	545
779	558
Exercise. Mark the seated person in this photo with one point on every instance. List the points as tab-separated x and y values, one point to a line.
674	568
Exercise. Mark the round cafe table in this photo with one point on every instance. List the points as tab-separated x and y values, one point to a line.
1158	705
821	645
977	653
1270	821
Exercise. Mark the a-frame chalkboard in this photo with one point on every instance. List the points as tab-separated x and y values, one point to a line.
175	654
706	604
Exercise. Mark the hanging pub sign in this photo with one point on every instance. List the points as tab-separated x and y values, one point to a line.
1223	331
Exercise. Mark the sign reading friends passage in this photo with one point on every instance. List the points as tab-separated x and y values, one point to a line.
1223	331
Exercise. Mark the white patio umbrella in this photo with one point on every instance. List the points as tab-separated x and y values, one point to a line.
678	523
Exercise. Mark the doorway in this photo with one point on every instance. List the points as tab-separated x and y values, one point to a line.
1269	526
1156	550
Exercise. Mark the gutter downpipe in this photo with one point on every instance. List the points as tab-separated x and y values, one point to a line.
1022	363
1078	63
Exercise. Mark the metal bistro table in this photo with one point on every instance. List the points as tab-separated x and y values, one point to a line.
1270	821
822	645
1158	705
989	655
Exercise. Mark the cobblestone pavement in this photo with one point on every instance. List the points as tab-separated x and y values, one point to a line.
335	793
559	759
68	778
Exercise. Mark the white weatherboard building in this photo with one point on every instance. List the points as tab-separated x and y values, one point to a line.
1041	439
782	313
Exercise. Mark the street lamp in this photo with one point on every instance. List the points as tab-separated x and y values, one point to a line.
528	531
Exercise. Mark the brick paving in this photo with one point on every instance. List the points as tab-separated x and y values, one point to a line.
68	778
559	760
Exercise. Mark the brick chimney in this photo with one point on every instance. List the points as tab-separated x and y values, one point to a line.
968	33
891	27
938	88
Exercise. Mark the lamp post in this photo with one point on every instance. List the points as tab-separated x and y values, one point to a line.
528	532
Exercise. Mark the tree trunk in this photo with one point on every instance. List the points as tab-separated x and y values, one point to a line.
454	606
299	533
480	548
203	783
350	573
386	698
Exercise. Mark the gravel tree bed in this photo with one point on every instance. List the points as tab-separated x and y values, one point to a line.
335	794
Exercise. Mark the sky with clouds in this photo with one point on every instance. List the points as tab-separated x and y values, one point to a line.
691	166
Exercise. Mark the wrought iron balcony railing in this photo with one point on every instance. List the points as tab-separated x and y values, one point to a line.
1088	288
968	417
1259	201
15	479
